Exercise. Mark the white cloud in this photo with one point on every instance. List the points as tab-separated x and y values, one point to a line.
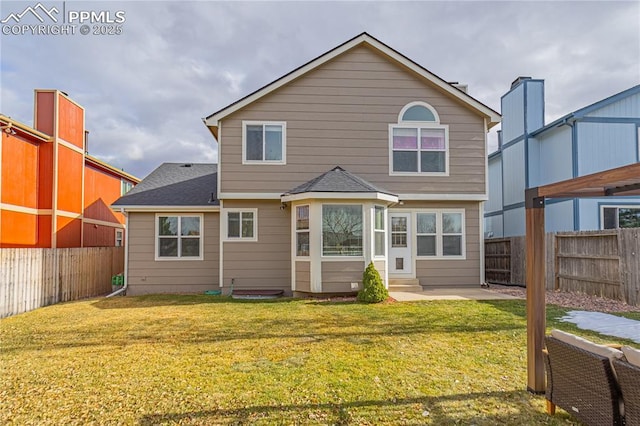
146	90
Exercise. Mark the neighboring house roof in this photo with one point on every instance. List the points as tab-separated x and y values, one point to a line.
338	180
576	115
174	185
493	117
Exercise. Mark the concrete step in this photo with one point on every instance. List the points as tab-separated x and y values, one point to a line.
404	284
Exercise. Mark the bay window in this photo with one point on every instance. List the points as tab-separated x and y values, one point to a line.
341	230
302	231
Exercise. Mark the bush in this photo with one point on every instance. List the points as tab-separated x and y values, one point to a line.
373	290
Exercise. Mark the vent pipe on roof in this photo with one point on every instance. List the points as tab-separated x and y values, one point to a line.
461	87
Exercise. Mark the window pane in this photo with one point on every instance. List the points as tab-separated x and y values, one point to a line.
190	247
254	143
380	244
426	223
247	225
610	216
426	245
398	240
404	138
399	224
432	161
342	230
302	217
167	225
233	225
405	161
273	143
379	218
168	247
302	244
452	245
451	223
432	139
190	226
628	218
418	113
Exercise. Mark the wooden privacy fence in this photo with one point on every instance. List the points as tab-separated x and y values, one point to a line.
602	263
31	278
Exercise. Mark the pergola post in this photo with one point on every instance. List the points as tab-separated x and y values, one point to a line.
535	282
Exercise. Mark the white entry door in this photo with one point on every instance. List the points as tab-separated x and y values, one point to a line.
400	261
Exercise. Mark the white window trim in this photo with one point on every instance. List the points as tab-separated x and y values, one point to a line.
439	234
225	225
420	103
178	258
264	123
341	258
297	231
419	125
121	232
384	231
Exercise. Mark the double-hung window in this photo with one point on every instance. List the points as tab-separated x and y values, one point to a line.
418	143
379	231
302	231
440	234
242	225
263	142
178	237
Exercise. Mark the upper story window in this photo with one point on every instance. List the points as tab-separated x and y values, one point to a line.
263	142
125	186
620	217
418	143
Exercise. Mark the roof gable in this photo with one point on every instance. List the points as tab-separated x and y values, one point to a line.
492	116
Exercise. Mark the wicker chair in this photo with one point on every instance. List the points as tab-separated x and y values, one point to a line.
582	383
629	380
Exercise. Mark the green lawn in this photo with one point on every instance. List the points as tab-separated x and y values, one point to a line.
210	360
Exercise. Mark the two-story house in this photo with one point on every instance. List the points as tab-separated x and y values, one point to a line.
600	136
361	155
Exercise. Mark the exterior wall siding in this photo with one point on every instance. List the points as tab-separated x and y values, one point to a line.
559	216
605	146
628	107
554	162
493	226
337	276
303	276
535	104
513	114
340	113
514	222
513	174
495	185
146	275
265	263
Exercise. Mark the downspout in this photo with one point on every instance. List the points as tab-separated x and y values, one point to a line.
126	257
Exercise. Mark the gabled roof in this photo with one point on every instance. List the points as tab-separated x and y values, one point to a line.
174	185
576	115
363	39
338	181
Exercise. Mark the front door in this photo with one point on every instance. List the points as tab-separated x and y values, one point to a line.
400	262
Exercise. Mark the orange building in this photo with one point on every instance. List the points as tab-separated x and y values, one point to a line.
52	193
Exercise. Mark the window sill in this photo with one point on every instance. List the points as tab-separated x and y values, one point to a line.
178	259
441	257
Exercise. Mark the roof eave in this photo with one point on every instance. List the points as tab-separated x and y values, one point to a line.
163	208
379	196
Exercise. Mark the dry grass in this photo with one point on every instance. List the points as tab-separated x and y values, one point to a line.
210	360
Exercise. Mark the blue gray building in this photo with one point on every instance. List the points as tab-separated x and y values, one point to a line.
598	137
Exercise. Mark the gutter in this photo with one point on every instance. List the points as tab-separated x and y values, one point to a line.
126	259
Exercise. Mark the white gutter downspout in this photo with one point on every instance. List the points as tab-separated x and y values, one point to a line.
126	257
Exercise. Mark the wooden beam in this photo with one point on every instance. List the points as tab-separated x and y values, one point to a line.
535	281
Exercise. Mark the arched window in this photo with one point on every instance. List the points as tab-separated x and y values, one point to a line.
418	143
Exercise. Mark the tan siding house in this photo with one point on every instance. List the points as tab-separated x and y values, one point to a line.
359	156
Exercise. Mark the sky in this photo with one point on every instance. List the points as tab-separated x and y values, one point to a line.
146	89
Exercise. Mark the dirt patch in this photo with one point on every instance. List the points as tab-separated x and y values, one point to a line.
580	301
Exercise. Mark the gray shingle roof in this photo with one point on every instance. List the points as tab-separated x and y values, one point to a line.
175	184
337	180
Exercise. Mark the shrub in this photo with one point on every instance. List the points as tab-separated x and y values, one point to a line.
373	290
